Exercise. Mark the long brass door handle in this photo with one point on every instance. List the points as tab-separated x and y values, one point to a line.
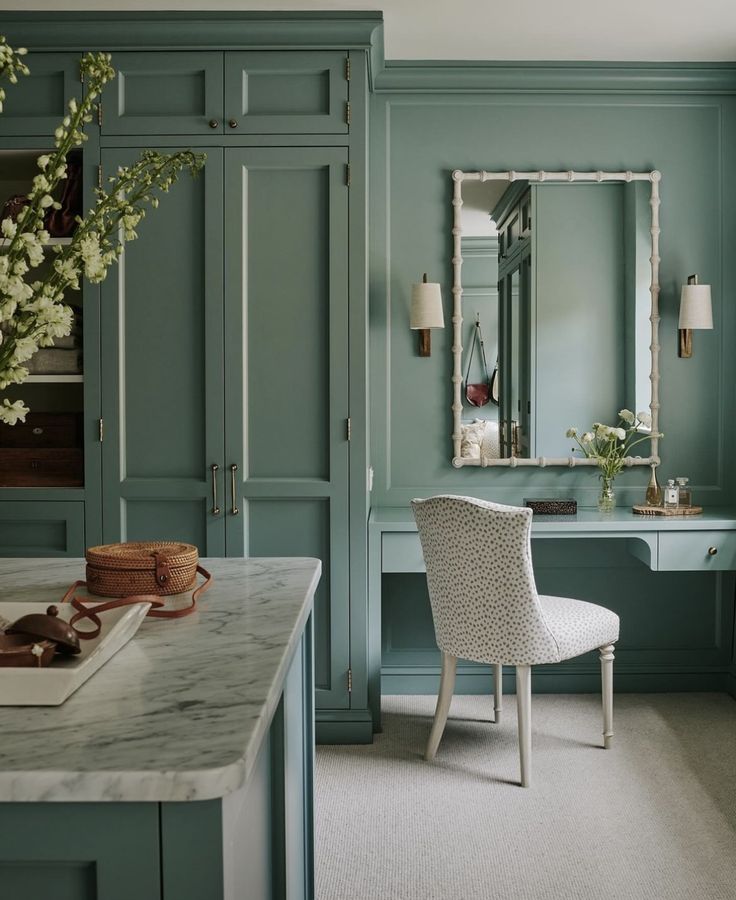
215	508
233	469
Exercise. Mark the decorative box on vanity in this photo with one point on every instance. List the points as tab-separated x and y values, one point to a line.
43	451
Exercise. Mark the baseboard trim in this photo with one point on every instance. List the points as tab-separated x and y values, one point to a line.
731	683
344	726
551	682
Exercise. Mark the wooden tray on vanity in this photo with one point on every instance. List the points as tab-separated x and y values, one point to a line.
662	511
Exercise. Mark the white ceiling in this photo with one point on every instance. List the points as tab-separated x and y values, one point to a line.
643	30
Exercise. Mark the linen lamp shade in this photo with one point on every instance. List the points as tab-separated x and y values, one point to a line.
696	312
426	312
426	306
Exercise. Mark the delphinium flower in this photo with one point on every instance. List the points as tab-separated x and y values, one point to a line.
33	311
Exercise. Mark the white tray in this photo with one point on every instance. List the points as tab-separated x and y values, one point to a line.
52	685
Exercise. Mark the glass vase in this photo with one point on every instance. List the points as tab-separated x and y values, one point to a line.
607	497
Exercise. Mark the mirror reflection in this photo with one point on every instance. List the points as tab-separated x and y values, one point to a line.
556	303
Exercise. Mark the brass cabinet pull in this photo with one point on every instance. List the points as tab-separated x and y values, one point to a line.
215	507
712	551
214	123
233	470
233	123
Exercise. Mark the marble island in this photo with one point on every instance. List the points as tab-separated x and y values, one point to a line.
214	710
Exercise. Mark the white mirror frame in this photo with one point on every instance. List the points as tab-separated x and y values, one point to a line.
458	178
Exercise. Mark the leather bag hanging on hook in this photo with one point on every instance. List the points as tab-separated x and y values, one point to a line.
478	393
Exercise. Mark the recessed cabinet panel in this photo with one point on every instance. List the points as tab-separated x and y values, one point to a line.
303	528
167	518
164	93
41	528
275	92
288	322
37	103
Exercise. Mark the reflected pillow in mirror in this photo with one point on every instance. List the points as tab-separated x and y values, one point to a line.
471	436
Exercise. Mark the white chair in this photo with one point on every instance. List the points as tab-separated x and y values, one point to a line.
486	608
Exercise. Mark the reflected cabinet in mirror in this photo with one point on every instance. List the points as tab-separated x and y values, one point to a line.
555	311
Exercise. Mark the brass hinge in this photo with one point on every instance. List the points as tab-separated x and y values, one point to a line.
99	176
347	174
347	68
347	113
101	430
349	429
350	681
99	114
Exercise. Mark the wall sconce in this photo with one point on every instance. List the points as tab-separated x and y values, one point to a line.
696	311
426	312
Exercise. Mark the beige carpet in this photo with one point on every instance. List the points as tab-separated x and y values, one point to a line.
654	818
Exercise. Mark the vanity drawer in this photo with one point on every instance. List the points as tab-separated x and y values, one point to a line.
401	552
692	551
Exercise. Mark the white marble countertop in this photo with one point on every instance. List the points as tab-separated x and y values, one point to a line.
181	711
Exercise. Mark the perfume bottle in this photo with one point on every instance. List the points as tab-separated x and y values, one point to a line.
671	495
685	493
654	491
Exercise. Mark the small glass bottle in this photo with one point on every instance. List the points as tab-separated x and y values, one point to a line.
671	495
685	493
654	491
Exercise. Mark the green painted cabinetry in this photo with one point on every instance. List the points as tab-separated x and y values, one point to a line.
227	350
239	92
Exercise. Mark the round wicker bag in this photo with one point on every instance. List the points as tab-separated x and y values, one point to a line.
145	567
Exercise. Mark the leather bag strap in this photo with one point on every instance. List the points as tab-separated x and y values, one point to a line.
156	610
477	337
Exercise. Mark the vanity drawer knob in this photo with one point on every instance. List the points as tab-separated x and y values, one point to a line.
213	123
233	123
712	551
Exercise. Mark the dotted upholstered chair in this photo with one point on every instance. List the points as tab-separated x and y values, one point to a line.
486	608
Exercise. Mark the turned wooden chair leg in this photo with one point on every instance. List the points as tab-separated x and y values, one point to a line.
606	654
497	692
447	686
524	711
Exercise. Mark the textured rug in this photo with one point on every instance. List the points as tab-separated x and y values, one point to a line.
653	818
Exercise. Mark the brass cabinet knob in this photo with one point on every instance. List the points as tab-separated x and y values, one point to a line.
233	123
712	551
214	123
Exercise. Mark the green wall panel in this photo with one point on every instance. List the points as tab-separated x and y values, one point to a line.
38	101
691	140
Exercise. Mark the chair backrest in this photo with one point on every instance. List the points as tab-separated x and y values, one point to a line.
484	600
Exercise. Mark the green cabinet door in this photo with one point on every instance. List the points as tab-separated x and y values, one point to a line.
164	93
80	851
162	362
288	92
37	103
286	386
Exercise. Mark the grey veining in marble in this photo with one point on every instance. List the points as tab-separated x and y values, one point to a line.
181	711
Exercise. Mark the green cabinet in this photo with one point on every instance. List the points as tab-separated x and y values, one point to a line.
238	92
224	358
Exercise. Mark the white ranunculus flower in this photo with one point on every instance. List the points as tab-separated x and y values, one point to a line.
588	437
627	416
571	432
645	418
619	433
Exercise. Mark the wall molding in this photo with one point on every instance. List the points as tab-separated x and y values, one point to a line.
526	77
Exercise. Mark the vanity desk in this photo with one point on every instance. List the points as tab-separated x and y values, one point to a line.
703	543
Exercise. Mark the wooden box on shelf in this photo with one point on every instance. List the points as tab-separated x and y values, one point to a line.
43	451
